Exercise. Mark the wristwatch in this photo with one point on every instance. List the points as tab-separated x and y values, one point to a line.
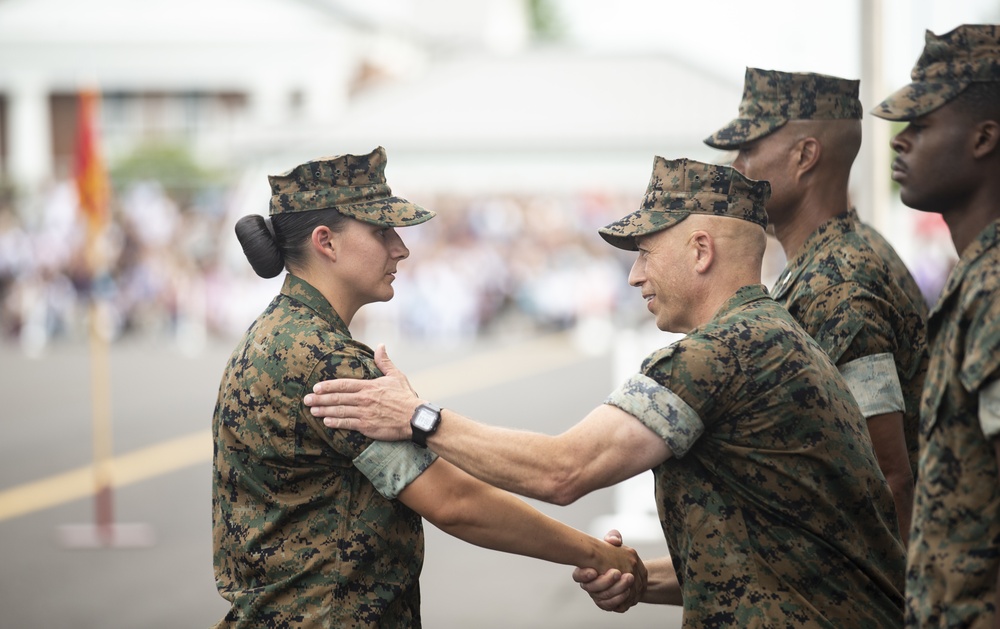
424	422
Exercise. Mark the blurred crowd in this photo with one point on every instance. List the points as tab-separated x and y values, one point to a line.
173	270
170	269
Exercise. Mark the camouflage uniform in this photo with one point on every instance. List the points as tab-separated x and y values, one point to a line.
837	287
306	528
845	297
897	268
773	505
954	554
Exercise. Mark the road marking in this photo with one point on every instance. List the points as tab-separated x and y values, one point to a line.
126	469
466	375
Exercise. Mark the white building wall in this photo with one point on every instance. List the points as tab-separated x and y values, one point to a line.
294	62
28	126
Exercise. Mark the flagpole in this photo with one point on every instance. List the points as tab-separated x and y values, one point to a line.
93	191
100	370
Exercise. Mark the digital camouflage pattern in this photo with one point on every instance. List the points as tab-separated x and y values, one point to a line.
301	537
897	268
948	65
354	185
681	187
845	297
772	98
774	516
954	551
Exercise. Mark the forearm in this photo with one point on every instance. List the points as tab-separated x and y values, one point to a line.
662	588
889	443
525	463
604	448
510	525
477	513
901	486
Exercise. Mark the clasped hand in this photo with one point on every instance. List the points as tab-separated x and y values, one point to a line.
614	591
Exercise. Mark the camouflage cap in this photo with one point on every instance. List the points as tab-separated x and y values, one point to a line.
680	188
354	185
772	98
948	64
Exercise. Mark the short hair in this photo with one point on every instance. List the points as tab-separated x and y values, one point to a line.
980	101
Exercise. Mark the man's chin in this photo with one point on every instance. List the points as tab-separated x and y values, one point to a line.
912	200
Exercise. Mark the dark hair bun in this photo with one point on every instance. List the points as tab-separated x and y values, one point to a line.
259	246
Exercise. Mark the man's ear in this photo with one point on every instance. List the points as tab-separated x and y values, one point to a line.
703	246
808	152
324	242
987	138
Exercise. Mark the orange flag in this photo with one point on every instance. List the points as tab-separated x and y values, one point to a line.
88	167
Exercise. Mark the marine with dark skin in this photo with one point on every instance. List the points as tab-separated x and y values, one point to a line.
948	162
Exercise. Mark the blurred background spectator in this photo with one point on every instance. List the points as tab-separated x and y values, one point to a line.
515	119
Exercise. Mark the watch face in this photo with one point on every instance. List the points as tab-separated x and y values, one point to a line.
424	419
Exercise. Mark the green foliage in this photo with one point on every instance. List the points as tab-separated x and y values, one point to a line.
546	23
172	165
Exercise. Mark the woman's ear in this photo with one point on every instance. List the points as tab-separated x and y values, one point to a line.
324	242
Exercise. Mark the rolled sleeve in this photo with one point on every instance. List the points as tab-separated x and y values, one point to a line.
661	410
391	466
989	409
875	384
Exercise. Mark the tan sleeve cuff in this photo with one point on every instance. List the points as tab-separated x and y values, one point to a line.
661	410
392	465
875	384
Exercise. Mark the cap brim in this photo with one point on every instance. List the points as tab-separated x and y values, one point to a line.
387	212
623	232
917	99
740	131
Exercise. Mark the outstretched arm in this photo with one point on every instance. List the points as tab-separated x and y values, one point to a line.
477	513
606	447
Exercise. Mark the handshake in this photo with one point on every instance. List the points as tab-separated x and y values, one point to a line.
617	591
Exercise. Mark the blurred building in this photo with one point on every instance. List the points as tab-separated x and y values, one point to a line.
212	73
439	83
524	146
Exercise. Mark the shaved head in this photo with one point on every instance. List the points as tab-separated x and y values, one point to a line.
840	139
739	244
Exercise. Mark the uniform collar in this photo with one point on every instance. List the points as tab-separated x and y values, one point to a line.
987	239
303	292
831	230
743	296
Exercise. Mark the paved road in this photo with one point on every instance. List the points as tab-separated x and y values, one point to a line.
162	403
